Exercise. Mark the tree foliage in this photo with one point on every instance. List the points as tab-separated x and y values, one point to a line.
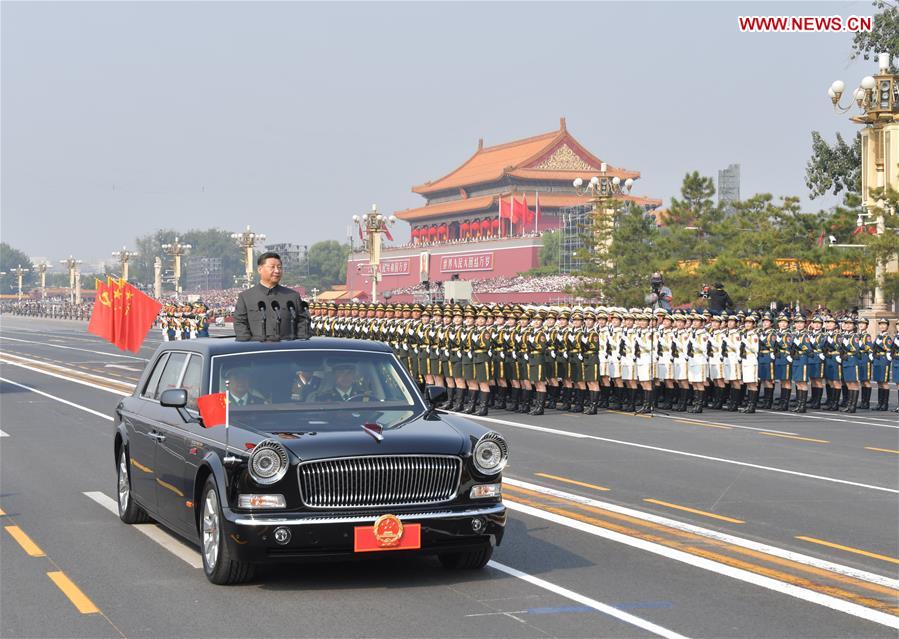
766	251
834	169
211	242
884	35
327	265
11	258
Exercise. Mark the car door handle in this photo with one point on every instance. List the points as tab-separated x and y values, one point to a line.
157	436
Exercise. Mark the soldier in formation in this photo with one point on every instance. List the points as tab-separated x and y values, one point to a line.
530	359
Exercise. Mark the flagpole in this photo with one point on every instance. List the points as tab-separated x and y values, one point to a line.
537	211
227	413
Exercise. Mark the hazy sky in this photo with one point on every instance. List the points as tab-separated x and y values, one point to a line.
120	118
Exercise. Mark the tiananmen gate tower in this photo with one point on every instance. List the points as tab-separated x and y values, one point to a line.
485	218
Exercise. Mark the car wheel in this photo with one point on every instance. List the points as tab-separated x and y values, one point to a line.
129	512
218	562
470	560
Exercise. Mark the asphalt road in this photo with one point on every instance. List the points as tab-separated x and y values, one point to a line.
716	525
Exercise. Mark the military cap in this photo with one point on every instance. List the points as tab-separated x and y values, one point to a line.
863	320
660	311
883	320
602	314
577	315
750	318
437	311
498	312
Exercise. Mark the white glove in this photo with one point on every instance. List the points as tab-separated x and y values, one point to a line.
789	359
580	357
839	359
526	358
870	357
821	356
552	353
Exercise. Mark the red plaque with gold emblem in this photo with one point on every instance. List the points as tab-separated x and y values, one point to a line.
387	533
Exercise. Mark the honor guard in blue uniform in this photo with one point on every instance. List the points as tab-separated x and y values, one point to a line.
865	361
767	348
882	347
782	361
799	354
849	352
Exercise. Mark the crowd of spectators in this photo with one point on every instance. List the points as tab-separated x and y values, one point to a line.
467	240
517	284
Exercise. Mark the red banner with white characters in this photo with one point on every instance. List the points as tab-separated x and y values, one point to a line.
467	262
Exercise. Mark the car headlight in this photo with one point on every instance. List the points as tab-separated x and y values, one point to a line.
268	462
490	454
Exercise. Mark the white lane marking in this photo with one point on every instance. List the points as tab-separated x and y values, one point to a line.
730	425
175	546
58	399
783	553
2	434
722	569
734	462
587	601
830	419
130	368
72	379
74	348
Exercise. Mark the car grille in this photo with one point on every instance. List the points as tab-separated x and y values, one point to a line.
379	481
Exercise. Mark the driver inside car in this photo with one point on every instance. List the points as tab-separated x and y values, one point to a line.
240	393
346	386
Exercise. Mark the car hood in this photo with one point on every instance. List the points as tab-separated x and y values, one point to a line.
328	434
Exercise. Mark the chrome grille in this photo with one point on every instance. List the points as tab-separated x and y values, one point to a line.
379	481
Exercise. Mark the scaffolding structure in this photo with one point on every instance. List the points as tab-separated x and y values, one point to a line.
575	224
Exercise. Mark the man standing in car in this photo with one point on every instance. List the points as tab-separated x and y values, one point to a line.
268	311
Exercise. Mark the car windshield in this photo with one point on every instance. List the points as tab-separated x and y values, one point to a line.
312	380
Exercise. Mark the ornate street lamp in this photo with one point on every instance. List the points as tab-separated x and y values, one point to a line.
878	99
176	250
247	240
372	226
19	272
123	257
603	190
71	265
42	272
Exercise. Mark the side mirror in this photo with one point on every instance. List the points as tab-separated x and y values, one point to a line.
436	395
174	398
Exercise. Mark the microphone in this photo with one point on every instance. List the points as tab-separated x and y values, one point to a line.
277	308
291	307
262	310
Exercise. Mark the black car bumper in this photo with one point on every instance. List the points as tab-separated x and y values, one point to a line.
252	536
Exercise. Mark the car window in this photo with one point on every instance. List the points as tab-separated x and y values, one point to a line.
193	377
171	374
309	380
153	382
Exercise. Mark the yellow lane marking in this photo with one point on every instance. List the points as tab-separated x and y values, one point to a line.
857	551
621	412
803	439
25	541
706	424
882	450
84	605
572	481
693	510
682	539
2	512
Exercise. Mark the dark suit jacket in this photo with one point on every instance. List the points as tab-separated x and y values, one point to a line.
252	323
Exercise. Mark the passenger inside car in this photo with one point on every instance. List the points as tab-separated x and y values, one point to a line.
240	391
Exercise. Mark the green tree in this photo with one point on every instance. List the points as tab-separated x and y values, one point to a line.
11	258
884	35
549	252
212	242
621	279
834	169
327	264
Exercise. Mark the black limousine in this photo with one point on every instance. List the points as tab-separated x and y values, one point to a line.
330	450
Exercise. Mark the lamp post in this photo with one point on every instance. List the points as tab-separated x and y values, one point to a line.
603	190
72	265
124	256
878	99
20	272
247	240
42	272
372	225
314	292
176	250
157	277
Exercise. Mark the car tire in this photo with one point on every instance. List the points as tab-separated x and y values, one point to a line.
470	560
219	563
129	511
